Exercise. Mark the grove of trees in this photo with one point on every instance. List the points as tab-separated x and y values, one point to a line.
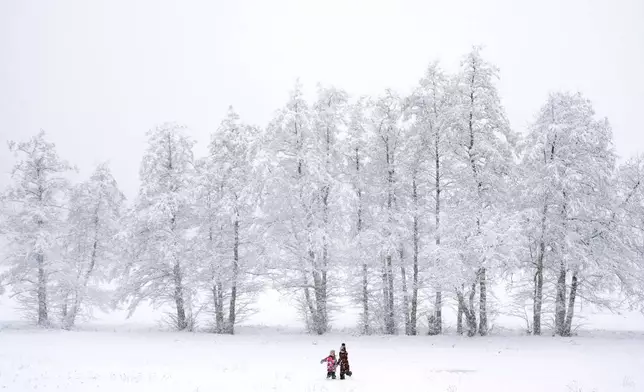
406	204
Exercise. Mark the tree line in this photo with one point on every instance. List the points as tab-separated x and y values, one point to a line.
403	203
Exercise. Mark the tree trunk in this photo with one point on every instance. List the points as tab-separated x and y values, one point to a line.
385	295
324	316
388	308
405	301
560	302
390	326
70	299
390	320
232	308
459	319
483	326
321	294
365	270
538	292
217	291
313	314
41	290
218	301
43	318
467	311
438	305
403	276
365	300
538	277
70	318
471	314
178	297
65	308
571	305
438	314
317	319
313	323
413	316
177	275
414	293
320	322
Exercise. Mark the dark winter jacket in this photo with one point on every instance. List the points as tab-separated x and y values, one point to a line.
344	361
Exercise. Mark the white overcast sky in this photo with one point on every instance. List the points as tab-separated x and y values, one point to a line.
96	75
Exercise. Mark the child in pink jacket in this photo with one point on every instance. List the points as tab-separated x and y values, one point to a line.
331	364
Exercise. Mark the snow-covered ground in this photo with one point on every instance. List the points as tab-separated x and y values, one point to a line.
112	353
269	360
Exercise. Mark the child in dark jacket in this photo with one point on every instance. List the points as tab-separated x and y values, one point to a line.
344	362
331	364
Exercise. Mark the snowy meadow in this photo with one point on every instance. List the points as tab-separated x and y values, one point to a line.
267	360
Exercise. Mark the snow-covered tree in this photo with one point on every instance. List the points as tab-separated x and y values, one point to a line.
485	154
95	209
360	264
432	105
34	203
388	128
227	197
330	228
544	221
287	206
401	203
626	231
302	200
160	228
569	163
413	193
